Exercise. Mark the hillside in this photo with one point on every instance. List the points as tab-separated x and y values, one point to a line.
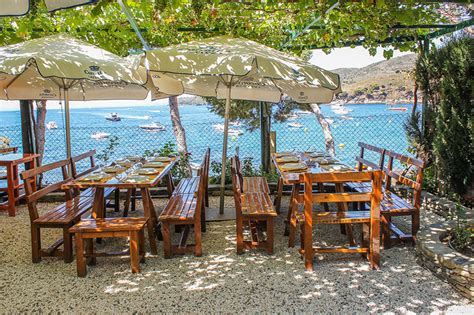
389	80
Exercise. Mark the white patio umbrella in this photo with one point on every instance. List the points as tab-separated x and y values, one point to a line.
22	7
235	68
63	68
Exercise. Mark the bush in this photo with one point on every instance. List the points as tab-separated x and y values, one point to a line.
181	169
446	141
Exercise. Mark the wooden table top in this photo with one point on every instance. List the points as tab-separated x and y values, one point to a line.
118	180
17	158
295	177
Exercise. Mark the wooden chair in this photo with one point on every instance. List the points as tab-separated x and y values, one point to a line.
62	217
204	171
89	155
253	208
89	229
184	209
370	220
393	205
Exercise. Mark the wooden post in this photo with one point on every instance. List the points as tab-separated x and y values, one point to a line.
265	122
273	146
27	127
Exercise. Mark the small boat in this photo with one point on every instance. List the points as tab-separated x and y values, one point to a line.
330	120
293	116
113	117
154	126
218	127
52	125
295	125
235	132
303	112
100	135
347	117
397	108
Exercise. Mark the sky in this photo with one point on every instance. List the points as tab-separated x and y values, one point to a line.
357	57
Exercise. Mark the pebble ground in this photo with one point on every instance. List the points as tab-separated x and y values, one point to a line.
220	280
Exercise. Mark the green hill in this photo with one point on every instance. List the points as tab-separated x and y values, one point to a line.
380	82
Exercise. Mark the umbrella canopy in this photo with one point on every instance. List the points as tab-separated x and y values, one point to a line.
61	67
235	68
255	71
21	7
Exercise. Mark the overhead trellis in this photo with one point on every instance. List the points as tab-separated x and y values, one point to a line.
291	24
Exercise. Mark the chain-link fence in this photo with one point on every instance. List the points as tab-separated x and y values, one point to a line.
381	130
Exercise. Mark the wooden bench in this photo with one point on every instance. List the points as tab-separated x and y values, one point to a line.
254	208
191	185
89	229
92	167
363	163
393	205
62	217
370	220
185	209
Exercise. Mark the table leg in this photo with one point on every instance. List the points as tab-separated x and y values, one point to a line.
278	195
11	190
150	214
308	236
295	191
342	206
98	206
169	184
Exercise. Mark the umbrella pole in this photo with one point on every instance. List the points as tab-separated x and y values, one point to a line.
224	148
68	123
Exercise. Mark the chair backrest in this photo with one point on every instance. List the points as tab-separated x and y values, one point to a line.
75	159
32	194
401	177
374	196
362	158
204	168
8	150
236	183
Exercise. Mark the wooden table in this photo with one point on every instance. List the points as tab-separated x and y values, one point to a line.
117	181
296	178
12	184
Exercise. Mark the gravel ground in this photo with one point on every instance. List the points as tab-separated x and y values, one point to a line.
220	280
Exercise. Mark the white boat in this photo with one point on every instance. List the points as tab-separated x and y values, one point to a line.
295	125
235	132
293	116
52	125
330	120
113	117
303	112
232	131
154	126
347	117
100	135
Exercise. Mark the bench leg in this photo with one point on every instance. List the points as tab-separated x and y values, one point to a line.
374	252
67	253
197	238
386	220
141	241
165	229
270	236
203	216
240	234
302	236
134	251
35	243
81	263
415	224
292	232
89	243
365	238
134	199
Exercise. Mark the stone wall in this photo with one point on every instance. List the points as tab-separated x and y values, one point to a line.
446	263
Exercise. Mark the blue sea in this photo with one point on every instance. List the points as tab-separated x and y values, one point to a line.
371	123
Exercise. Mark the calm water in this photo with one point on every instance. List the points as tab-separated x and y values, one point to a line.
370	123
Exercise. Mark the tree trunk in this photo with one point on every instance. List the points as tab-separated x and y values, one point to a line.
178	129
415	99
40	128
328	138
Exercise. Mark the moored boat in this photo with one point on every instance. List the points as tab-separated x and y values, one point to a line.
154	126
100	135
52	125
113	117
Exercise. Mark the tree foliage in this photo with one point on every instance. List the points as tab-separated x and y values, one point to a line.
270	22
446	77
